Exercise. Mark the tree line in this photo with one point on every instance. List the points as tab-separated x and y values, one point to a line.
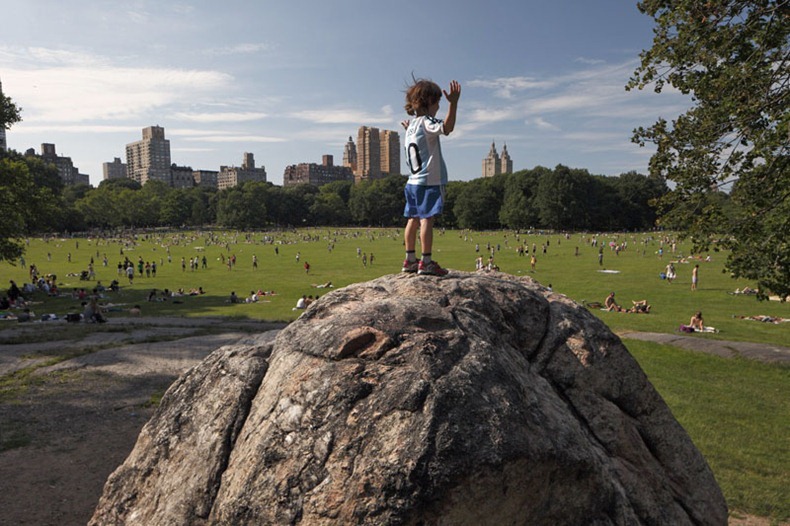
561	199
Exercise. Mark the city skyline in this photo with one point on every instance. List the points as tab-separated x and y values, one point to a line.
292	82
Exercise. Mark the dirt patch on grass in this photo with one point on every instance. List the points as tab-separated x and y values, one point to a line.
64	427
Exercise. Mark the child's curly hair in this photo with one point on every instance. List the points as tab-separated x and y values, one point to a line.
420	95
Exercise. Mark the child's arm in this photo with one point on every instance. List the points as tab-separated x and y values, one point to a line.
452	99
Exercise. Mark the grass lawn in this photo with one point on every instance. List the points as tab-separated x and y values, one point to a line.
738	415
735	411
579	277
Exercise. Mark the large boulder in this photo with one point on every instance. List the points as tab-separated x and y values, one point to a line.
470	399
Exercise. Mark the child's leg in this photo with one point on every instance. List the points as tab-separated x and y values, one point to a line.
426	237
410	234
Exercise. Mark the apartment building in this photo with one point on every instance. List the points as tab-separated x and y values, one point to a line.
368	154
316	174
390	152
206	178
149	158
182	176
230	176
350	155
377	153
114	170
68	173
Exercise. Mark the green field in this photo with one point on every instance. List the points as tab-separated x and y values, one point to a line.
578	277
735	411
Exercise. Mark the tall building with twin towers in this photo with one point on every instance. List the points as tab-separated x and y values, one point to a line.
495	164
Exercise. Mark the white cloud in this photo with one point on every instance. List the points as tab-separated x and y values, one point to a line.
138	17
505	87
345	116
240	49
196	150
213	137
217	136
592	91
220	117
588	108
36	129
590	61
541	124
327	135
561	103
62	57
182	8
72	87
489	115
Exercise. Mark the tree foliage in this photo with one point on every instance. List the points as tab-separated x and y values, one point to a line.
733	58
562	198
30	192
520	189
28	205
379	202
478	203
10	113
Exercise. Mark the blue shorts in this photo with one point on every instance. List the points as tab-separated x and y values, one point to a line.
423	201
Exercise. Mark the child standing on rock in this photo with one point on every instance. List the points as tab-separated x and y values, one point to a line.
427	171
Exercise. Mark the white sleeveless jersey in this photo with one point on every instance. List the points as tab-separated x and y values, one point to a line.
424	152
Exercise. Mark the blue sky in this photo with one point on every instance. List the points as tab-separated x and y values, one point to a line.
291	81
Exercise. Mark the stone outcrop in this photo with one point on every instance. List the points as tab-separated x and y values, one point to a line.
470	399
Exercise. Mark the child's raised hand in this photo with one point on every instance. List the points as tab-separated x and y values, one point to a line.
405	124
455	92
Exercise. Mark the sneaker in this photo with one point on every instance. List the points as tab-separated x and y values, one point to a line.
431	269
410	266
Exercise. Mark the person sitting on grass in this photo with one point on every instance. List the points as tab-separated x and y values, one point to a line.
14	292
610	304
301	303
696	322
92	312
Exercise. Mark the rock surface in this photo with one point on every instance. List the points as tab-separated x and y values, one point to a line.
470	399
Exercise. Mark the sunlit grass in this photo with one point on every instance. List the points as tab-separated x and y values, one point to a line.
579	277
737	413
